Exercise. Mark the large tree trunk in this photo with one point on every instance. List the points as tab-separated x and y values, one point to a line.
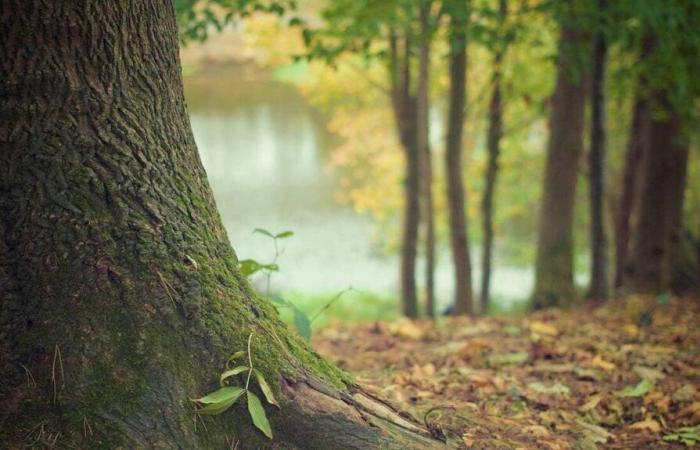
453	160
554	282
659	232
598	288
404	107
423	142
120	296
495	133
638	140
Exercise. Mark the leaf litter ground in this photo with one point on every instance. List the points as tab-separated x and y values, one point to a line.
621	376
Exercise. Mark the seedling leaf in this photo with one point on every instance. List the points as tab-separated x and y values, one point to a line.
222	395
302	324
264	232
265	388
257	413
232	372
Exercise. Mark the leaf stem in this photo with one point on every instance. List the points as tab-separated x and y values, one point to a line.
250	362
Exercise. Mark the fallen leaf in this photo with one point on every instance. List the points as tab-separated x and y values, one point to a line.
553	389
684	394
543	328
647	424
599	362
591	403
638	390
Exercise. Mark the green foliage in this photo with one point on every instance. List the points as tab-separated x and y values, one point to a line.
222	399
196	18
690	436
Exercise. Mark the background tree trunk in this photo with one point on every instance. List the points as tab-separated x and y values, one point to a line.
453	160
120	296
657	238
598	288
554	282
423	141
495	133
404	107
638	140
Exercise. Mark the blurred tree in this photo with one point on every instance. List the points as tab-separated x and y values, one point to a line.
458	13
120	295
426	30
669	33
554	282
598	287
393	32
498	44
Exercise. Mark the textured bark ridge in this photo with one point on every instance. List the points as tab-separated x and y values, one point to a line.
120	297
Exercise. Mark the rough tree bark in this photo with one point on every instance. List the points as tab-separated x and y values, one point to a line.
495	133
554	282
659	230
120	296
423	142
453	159
638	140
404	108
598	287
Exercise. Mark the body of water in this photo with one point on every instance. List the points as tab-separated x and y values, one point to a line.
265	152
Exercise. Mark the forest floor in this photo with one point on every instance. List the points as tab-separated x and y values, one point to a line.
624	375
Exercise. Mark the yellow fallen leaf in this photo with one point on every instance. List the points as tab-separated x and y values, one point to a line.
591	403
407	329
543	328
537	431
647	424
602	364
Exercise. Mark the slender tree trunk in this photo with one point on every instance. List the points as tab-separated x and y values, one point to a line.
404	107
453	162
638	140
660	225
598	288
423	141
554	281
495	133
120	296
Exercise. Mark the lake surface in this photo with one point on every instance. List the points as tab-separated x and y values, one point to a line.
265	152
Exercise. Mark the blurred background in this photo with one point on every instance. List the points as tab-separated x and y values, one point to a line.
291	108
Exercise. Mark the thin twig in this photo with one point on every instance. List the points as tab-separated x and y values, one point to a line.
330	303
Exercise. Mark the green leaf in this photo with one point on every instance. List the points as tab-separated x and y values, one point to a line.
265	388
257	413
279	301
302	324
284	234
264	232
503	359
249	266
234	357
222	395
232	372
639	390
